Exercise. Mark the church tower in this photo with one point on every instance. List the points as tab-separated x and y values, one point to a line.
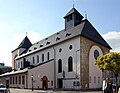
72	18
21	49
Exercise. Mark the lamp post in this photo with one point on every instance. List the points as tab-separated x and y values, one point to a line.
32	81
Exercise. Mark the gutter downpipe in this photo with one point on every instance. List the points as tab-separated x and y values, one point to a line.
54	69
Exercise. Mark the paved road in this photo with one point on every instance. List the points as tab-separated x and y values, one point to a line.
50	91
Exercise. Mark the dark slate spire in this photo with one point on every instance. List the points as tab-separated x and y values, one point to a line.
25	43
72	18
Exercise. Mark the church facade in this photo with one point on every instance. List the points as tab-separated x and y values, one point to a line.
64	60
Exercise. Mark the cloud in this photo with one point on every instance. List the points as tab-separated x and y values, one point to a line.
113	38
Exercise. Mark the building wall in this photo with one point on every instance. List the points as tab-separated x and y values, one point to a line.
14	55
85	47
15	80
95	75
66	52
46	69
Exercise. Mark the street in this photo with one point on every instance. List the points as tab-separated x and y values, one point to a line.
48	91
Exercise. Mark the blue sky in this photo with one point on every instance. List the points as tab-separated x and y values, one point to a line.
41	18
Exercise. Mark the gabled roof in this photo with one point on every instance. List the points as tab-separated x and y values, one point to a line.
85	29
73	11
91	33
25	43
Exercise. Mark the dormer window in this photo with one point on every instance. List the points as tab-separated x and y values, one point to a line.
68	34
37	42
41	45
47	43
57	38
58	33
29	50
35	48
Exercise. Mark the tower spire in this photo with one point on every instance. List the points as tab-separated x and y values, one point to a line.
26	33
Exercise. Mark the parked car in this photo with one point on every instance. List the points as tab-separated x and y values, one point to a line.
3	89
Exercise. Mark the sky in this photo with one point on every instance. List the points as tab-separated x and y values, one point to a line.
42	18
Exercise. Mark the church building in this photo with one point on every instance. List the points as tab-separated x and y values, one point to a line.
64	60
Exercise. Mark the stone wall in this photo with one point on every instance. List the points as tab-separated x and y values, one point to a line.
85	46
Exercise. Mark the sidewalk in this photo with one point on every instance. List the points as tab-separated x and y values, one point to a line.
49	91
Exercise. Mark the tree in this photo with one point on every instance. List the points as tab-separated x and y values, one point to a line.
110	62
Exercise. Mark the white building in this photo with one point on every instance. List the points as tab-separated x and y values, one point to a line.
62	60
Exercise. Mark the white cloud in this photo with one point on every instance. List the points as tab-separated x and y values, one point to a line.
113	38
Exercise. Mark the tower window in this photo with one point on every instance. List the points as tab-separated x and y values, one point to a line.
70	64
59	66
70	17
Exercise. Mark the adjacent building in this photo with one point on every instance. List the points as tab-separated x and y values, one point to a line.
64	60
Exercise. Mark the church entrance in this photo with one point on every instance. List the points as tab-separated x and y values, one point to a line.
60	83
44	82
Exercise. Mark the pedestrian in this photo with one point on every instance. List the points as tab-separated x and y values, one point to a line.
104	88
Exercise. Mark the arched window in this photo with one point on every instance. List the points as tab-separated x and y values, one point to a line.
59	66
70	64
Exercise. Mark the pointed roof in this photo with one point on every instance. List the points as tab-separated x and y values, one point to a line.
91	33
73	11
25	43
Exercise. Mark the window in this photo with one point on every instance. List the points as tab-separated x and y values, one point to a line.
98	79
13	80
16	79
60	50
23	79
59	66
33	60
42	57
90	79
94	79
48	55
96	54
70	64
18	64
57	38
37	58
19	79
70	17
10	80
21	64
70	47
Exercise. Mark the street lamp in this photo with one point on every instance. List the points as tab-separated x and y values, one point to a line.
32	81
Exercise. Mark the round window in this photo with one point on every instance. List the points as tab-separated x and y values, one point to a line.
96	54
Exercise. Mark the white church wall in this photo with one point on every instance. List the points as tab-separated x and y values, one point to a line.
65	53
95	75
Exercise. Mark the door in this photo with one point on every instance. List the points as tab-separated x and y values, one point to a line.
60	83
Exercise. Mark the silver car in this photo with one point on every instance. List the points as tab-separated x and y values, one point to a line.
3	89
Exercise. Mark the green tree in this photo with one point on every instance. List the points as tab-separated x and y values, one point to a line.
110	62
